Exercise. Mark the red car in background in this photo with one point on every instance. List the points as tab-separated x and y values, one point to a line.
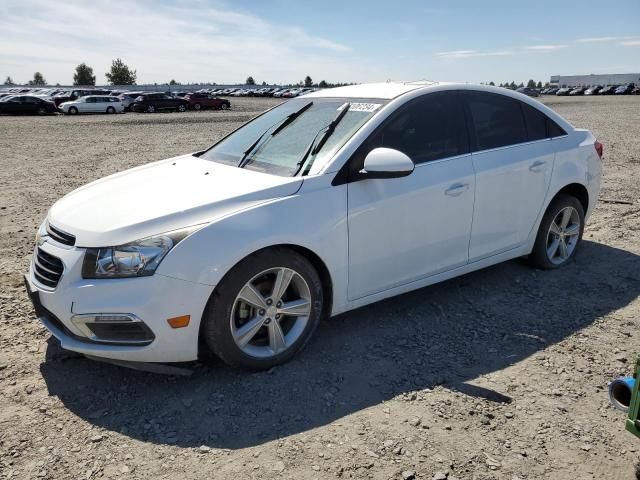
198	101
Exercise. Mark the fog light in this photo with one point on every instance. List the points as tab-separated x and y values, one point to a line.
114	328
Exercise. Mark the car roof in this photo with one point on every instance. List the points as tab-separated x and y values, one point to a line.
385	90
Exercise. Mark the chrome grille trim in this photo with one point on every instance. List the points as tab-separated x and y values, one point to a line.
47	268
60	236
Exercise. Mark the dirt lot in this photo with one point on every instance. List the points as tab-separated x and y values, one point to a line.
500	374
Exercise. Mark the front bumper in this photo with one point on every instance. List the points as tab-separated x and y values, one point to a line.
153	300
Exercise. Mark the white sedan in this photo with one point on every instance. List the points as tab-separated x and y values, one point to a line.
92	104
323	204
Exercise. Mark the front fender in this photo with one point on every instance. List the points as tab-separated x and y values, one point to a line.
314	218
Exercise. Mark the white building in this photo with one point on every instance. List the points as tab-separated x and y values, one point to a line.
587	80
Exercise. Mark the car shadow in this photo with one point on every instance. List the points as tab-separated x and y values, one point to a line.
446	334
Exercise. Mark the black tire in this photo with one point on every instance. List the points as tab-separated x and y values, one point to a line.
216	322
111	110
182	108
197	106
73	111
539	257
225	106
41	111
151	109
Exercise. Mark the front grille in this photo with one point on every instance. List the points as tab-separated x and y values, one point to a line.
47	268
60	236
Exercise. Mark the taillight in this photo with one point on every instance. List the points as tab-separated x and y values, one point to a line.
599	149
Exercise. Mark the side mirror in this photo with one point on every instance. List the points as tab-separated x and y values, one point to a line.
386	163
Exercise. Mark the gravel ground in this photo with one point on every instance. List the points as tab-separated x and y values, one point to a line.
499	374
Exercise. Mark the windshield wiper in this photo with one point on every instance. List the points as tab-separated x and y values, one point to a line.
279	126
326	131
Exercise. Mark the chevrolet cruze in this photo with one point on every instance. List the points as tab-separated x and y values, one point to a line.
322	204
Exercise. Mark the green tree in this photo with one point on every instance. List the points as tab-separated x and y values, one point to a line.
323	84
531	83
307	81
492	84
539	85
9	81
513	85
264	84
120	74
173	82
38	80
250	80
84	75
521	85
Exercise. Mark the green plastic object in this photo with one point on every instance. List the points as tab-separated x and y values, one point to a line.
633	424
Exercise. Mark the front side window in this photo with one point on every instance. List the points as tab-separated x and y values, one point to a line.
283	153
428	128
497	120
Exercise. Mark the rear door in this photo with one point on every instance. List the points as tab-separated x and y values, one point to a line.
513	160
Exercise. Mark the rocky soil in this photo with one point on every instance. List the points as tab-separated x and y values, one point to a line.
500	374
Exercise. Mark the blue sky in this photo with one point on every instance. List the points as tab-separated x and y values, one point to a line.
350	41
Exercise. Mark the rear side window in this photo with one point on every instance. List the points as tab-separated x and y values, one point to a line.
427	129
536	122
497	120
554	130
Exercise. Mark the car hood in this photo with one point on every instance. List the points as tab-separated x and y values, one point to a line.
161	197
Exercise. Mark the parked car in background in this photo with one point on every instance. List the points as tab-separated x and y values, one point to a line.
608	90
624	89
92	104
532	92
563	92
593	90
128	98
153	102
312	209
635	91
577	91
26	105
71	95
199	101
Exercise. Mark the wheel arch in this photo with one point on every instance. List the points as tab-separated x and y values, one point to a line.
576	190
318	263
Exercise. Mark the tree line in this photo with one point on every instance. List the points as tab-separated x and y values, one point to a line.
119	74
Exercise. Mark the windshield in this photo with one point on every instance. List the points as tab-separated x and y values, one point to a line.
281	153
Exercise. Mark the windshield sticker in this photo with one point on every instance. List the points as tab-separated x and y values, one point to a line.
364	107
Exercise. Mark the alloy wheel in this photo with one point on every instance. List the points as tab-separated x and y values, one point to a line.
563	235
270	312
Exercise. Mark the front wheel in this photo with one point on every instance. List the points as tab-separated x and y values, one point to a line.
182	107
197	106
111	110
225	106
73	110
559	234
151	109
264	310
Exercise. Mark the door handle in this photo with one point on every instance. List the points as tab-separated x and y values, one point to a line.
456	189
537	166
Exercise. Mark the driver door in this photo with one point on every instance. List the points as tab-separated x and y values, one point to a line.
404	229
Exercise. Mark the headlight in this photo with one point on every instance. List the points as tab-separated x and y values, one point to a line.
136	259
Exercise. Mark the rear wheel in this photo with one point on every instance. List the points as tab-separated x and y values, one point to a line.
264	310
225	106
73	110
197	106
41	111
151	109
559	234
182	107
